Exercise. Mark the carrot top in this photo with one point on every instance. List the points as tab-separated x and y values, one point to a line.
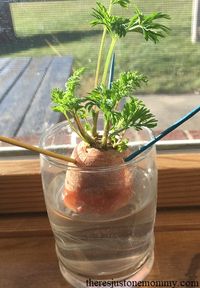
105	98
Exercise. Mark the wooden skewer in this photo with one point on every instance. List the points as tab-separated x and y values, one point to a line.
36	149
163	133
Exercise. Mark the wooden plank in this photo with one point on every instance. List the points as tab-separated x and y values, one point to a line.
182	219
177	256
21	167
179	180
23	178
11	73
4	62
19	98
178	185
21	225
37	224
32	262
178	161
39	116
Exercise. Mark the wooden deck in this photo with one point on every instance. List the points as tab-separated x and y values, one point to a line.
26	85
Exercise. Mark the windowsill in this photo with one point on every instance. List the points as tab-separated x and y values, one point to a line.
163	146
178	183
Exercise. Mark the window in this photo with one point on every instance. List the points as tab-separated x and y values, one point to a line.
37	31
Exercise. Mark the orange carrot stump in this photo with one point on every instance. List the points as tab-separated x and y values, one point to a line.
100	192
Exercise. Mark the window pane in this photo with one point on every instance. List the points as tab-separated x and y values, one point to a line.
35	33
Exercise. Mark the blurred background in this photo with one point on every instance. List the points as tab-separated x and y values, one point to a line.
38	29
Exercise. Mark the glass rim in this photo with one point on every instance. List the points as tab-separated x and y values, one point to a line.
66	165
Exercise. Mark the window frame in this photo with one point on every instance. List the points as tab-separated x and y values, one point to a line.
21	186
166	146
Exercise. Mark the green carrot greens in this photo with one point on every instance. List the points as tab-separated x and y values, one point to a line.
119	108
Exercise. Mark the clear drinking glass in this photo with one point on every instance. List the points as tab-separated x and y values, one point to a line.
101	246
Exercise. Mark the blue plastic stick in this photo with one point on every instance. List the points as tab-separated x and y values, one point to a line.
112	70
162	134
